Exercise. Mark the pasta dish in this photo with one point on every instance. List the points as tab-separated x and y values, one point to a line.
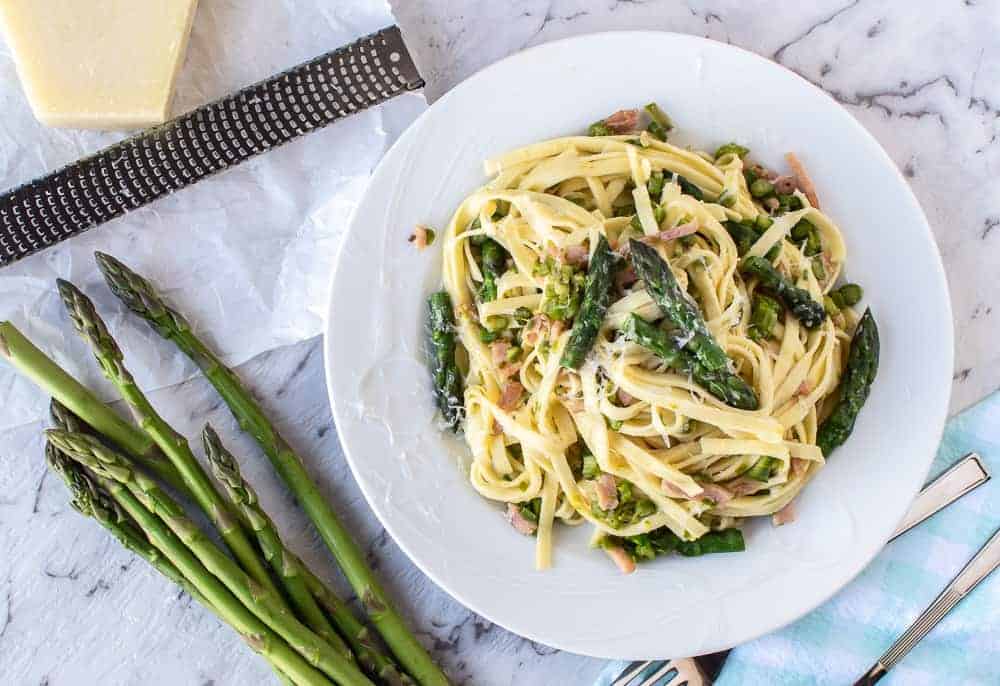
646	338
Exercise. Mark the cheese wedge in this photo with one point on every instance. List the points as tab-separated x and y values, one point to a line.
99	64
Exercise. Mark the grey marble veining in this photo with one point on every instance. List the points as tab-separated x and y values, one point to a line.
75	609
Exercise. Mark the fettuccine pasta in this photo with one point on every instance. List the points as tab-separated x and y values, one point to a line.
629	442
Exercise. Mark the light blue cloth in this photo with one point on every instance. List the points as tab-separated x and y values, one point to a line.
839	641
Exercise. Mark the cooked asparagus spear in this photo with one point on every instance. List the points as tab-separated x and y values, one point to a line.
728	387
494	264
677	306
797	300
862	366
286	566
444	369
92	329
56	382
149	499
596	298
227	471
139	295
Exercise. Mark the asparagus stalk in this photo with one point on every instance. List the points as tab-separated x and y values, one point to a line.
227	472
676	306
494	264
56	382
139	296
862	366
728	387
285	565
262	602
91	501
446	375
797	300
596	298
92	329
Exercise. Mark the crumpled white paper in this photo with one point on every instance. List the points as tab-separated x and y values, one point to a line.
247	255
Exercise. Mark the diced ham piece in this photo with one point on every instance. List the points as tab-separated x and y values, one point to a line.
607	492
517	520
510	395
535	329
624	397
785	184
805	183
799	467
496	429
772	204
576	255
498	349
716	493
621	558
785	515
804	388
625	277
745	486
421	236
685	229
623	121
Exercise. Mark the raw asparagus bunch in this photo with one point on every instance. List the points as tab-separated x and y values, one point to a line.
214	574
142	299
109	356
305	589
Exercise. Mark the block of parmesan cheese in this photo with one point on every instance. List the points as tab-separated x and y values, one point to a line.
99	64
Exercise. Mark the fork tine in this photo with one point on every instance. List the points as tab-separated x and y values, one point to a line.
659	674
631	672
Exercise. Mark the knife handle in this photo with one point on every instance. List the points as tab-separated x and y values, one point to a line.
944	490
214	137
978	568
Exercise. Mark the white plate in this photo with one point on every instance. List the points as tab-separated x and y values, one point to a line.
415	477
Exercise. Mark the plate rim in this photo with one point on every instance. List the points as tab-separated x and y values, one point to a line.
939	272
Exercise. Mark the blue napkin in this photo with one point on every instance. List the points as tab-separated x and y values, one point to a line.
839	641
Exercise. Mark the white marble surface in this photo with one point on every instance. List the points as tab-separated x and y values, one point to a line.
923	77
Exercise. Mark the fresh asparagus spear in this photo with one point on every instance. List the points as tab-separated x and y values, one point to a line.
285	565
862	366
153	500
444	370
677	306
56	382
494	264
596	298
142	299
797	300
227	471
109	356
728	387
90	501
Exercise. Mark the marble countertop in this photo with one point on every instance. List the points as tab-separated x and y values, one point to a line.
77	609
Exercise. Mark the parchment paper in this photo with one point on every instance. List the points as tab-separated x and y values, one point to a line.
247	255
